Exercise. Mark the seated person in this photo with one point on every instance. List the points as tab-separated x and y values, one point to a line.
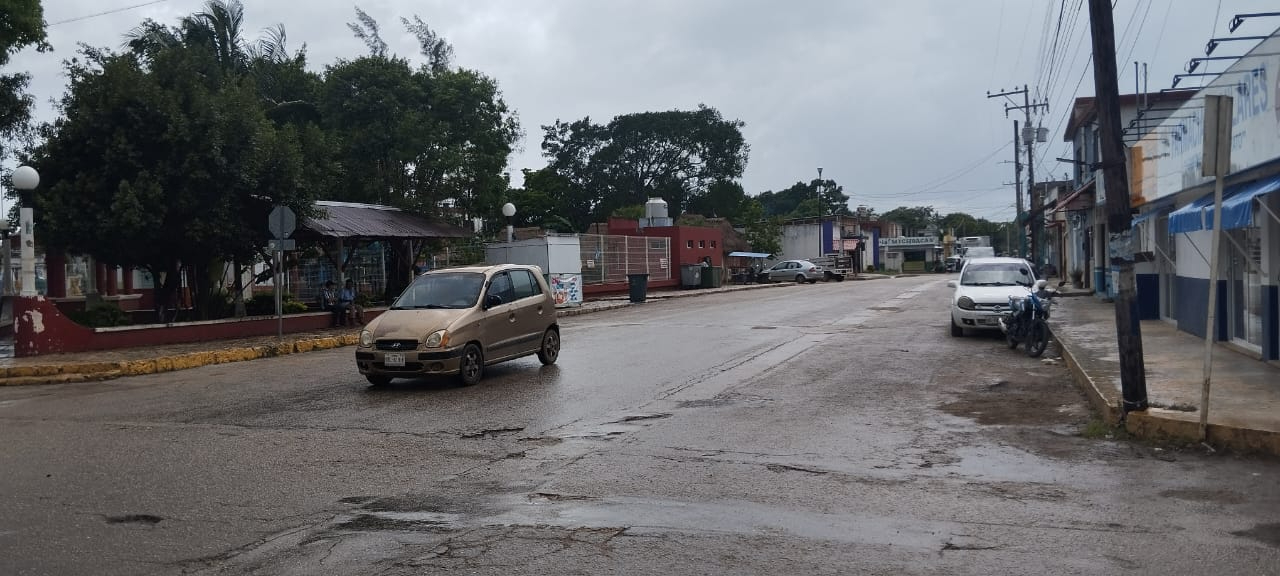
347	301
328	297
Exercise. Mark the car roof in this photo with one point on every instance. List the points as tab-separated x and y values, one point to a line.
998	260
489	268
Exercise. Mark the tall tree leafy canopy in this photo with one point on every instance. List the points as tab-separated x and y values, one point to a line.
914	219
801	200
421	139
676	155
169	155
164	156
22	25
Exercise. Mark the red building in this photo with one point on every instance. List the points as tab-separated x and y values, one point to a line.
689	244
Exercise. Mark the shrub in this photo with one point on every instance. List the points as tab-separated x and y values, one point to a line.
264	304
100	316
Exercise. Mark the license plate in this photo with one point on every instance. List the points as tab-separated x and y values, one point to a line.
394	359
987	321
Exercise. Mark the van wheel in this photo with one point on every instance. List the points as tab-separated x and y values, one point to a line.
956	331
550	349
472	368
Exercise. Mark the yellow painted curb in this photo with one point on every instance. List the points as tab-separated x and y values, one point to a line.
88	372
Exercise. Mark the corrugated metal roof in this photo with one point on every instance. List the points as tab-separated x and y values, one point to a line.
351	220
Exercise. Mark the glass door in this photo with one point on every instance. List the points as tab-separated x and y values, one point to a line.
1244	287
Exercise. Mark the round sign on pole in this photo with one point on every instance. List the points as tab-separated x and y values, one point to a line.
282	222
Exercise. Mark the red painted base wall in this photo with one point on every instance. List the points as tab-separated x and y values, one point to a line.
40	328
623	287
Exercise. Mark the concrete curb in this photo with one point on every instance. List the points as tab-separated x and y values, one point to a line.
99	371
1105	401
1162	425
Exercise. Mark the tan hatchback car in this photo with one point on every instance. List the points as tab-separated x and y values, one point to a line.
457	321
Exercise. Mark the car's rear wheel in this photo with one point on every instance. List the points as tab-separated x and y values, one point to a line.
377	381
472	368
799	278
956	330
550	349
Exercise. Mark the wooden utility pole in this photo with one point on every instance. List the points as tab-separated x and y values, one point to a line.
1115	179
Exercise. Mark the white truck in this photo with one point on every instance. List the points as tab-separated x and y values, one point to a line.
835	267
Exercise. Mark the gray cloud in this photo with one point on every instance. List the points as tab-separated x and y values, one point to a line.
886	96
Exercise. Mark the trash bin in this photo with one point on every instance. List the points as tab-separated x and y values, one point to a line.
712	277
690	275
639	286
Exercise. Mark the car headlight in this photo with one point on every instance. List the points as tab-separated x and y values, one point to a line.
438	339
366	339
965	303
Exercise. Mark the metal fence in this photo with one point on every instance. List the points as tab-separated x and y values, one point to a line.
609	259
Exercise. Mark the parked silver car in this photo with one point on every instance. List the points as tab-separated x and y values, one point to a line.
797	270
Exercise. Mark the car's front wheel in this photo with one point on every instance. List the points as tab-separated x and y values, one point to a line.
377	381
956	330
472	368
550	349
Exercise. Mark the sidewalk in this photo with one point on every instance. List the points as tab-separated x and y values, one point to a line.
108	364
1244	398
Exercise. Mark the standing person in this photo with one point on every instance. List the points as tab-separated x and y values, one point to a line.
420	267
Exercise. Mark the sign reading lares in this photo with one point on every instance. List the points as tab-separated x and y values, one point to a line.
1171	154
908	241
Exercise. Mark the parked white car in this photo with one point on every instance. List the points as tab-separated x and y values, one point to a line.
982	293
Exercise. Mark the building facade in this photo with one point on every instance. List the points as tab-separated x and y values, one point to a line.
1175	204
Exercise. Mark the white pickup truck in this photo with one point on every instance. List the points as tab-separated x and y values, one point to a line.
835	267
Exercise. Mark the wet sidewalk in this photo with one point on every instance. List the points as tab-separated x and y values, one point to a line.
108	364
1244	397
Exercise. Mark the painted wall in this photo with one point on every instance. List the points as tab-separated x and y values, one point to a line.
799	242
40	328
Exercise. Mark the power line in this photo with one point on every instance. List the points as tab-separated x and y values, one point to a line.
1138	34
955	175
112	11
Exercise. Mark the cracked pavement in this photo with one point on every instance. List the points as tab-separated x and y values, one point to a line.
825	429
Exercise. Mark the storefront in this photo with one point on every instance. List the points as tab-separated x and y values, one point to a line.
1173	232
910	253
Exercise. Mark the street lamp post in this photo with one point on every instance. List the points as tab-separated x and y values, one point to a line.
25	178
818	192
509	210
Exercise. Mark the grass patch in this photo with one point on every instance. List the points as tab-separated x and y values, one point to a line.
1099	430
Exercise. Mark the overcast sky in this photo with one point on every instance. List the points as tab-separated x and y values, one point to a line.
889	98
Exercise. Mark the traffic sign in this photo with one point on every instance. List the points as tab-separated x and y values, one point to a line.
282	222
279	245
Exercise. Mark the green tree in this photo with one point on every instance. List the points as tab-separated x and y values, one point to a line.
676	155
763	232
807	199
164	159
914	219
723	199
22	25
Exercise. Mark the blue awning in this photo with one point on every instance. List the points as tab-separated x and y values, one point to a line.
1237	211
1237	207
750	254
1189	218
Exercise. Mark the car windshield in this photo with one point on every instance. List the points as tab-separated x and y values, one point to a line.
996	274
441	290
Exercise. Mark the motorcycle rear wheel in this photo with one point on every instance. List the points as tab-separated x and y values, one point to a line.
1037	338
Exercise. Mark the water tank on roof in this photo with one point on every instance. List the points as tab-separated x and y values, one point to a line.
655	208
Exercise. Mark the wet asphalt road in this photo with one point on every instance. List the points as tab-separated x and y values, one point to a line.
825	429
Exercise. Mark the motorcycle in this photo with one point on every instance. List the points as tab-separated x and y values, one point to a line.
1026	321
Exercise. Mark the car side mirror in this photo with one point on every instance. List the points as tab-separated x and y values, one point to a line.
492	300
951	283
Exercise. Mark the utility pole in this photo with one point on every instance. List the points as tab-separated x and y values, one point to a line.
1029	136
1133	380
